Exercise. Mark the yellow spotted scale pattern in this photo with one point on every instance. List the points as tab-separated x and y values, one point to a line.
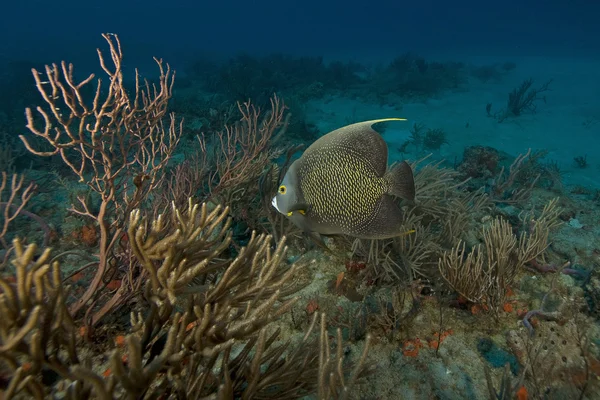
344	182
345	194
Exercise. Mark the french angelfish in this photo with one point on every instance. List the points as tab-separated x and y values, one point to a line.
341	185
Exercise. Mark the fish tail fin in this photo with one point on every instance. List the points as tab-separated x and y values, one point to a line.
401	181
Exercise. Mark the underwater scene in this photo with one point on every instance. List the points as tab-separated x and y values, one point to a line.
300	200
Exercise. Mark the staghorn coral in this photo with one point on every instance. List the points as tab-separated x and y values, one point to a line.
83	132
14	197
227	165
36	329
485	273
206	327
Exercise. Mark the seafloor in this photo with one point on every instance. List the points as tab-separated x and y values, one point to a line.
539	339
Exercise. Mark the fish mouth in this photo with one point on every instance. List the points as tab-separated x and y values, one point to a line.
274	203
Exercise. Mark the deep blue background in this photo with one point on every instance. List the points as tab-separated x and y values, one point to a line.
179	30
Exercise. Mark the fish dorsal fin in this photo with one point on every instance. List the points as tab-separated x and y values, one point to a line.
358	138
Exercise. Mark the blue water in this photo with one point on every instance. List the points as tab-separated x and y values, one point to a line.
179	30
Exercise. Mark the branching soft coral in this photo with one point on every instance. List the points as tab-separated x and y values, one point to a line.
206	328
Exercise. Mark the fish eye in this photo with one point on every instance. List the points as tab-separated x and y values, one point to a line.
282	189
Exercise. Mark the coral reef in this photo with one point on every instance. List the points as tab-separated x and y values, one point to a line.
194	336
204	310
172	276
485	274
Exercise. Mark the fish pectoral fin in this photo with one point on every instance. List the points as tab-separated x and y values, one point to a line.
402	181
301	208
318	240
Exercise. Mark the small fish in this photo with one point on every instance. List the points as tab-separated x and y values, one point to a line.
341	185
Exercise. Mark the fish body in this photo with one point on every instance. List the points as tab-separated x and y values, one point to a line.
342	185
